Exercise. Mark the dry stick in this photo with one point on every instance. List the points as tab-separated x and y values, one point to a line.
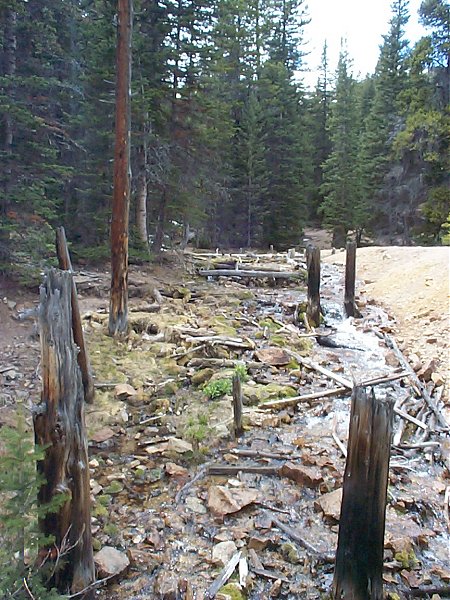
411	419
237	406
223	576
226	363
392	344
200	473
328	558
286	402
262	454
311	365
350	276
359	556
235	469
65	264
446	506
340	445
425	592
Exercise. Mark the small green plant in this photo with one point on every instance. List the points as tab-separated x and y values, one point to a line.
20	538
197	428
241	371
218	388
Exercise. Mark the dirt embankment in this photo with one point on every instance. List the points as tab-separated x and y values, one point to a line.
412	283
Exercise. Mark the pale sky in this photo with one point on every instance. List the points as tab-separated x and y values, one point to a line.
361	22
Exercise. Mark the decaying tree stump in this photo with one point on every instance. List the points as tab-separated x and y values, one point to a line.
65	264
59	426
350	276
313	311
359	557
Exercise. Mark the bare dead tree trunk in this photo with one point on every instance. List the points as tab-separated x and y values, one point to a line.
359	557
313	311
65	264
350	277
159	235
118	306
141	194
10	48
59	426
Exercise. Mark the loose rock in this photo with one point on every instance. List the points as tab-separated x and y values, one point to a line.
110	562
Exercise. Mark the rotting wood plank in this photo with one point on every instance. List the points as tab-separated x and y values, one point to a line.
359	556
65	264
59	427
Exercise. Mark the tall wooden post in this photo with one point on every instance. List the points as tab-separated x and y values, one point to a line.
359	557
350	277
118	306
313	311
59	427
237	406
65	264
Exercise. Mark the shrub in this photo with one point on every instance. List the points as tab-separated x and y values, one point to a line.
20	538
218	388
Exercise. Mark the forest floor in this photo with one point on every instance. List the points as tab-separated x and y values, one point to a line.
155	435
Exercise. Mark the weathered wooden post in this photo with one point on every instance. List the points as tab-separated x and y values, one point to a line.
237	406
313	311
65	264
350	276
359	556
59	426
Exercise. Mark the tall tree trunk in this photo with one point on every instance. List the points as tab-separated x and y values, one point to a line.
141	194
157	245
10	48
118	307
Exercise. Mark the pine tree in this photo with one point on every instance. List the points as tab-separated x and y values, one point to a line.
341	186
19	514
318	130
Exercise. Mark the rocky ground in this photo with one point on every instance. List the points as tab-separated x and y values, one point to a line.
175	497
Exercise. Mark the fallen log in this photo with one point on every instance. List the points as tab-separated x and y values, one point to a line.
285	402
217	340
251	274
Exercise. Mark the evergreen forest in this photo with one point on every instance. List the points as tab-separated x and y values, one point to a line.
229	147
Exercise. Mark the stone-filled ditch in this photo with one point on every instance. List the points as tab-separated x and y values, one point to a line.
161	424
